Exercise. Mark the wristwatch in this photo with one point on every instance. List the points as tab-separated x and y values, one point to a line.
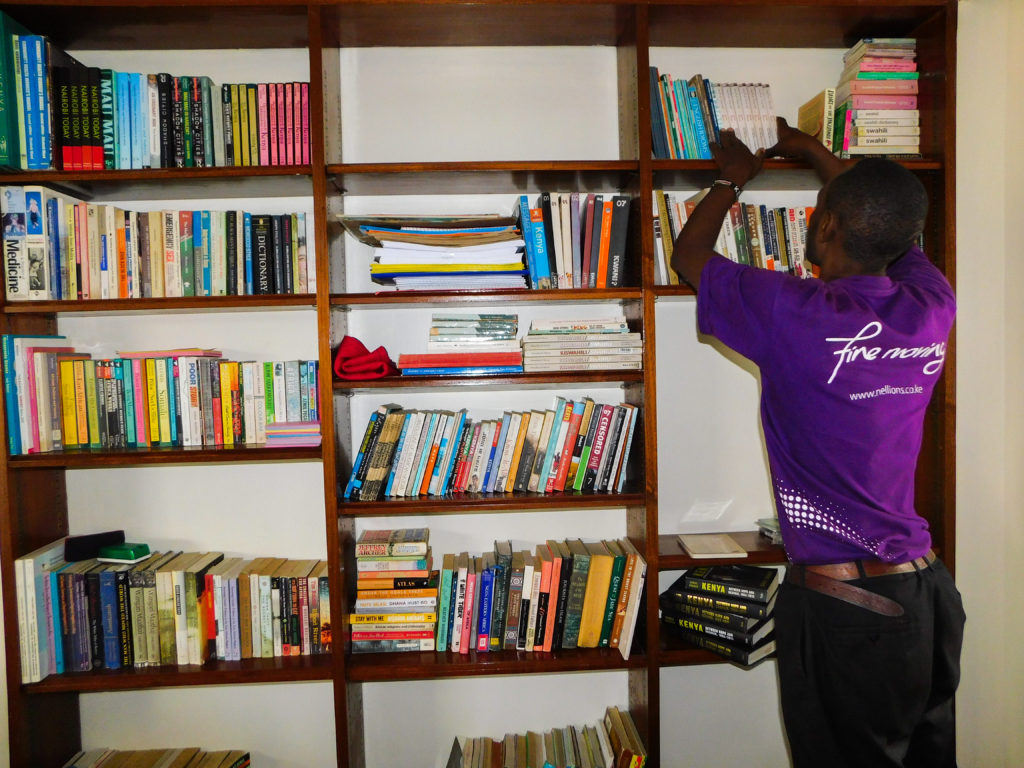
736	188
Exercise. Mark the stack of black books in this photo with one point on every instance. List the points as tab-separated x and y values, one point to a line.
726	609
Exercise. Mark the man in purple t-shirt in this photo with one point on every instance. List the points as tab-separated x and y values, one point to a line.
868	624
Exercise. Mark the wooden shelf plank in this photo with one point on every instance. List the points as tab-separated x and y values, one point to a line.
161	175
164	304
388	299
277	670
519	381
380	667
161	455
461	503
672	556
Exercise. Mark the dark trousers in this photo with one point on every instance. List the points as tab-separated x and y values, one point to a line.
863	690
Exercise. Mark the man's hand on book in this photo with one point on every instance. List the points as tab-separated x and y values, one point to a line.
792	142
736	162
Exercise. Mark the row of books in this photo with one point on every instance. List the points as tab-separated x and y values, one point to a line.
186	757
726	609
687	115
442	252
582	344
172	608
59	247
576	446
575	240
761	235
467	345
66	115
57	398
610	743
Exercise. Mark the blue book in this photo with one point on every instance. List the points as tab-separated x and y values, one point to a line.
422	465
489	464
129	399
314	390
30	102
481	370
40	101
142	111
540	254
138	118
486	588
709	90
453	452
54	252
201	274
361	455
110	619
491	476
123	137
523	212
303	391
247	237
204	229
398	453
444	450
549	452
443	609
105	249
703	146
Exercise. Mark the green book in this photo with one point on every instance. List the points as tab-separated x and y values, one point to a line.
187	239
614	588
577	591
10	142
108	95
444	598
186	122
268	391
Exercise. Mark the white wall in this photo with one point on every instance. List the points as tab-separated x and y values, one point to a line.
990	449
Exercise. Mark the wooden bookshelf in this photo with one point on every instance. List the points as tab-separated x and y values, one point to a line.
34	506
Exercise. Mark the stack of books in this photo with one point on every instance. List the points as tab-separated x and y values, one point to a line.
396	592
765	236
189	757
769	528
876	99
563	595
615	741
575	240
60	248
173	608
687	115
726	609
578	446
586	344
442	253
293	434
467	345
57	398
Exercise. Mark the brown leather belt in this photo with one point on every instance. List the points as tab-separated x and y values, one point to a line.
832	580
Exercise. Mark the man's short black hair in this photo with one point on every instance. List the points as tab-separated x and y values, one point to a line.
880	207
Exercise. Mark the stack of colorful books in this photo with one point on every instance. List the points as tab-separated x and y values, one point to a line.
877	110
467	345
725	609
396	592
582	345
442	253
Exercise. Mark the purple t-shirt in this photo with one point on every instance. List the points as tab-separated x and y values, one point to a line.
847	371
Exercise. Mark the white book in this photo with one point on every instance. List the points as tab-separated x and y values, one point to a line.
531	625
419	460
556	235
172	255
36	243
134	258
184	400
249	402
153	123
28	577
266	617
410	452
108	245
220	605
306	246
259	403
444	449
527	599
565	276
280	393
462	564
218	255
508	450
180	620
632	607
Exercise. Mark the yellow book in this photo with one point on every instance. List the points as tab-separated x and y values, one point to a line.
243	124
92	405
254	126
81	413
595	599
513	468
666	235
163	405
226	369
69	418
93	243
156	253
236	120
152	406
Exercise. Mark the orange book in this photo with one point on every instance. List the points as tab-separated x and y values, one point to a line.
606	238
380	594
520	439
429	470
81	412
122	257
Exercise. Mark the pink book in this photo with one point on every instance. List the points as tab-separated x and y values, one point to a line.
272	123
305	123
261	111
467	613
882	101
33	402
556	571
880	86
297	121
289	124
141	404
282	155
881	64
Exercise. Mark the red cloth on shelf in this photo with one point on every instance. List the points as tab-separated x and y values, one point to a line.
353	361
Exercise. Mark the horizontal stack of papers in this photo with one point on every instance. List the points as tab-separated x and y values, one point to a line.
443	253
467	345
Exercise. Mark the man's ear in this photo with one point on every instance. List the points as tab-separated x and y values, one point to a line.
828	229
